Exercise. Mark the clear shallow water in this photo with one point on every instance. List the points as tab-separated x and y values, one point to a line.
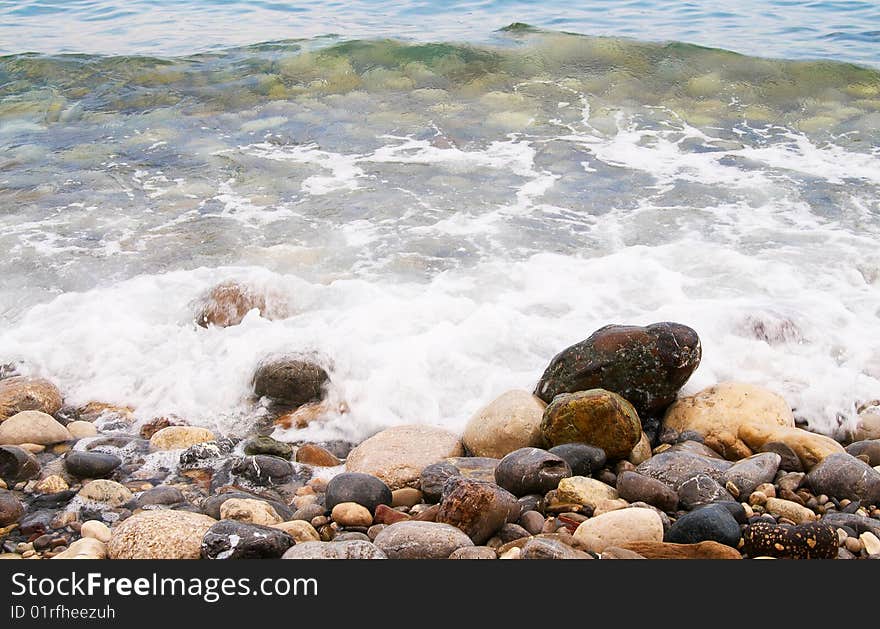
440	219
845	30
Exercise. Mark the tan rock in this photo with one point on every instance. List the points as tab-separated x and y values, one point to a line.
109	492
616	552
811	448
179	437
22	393
604	506
159	534
618	528
3	484
870	543
668	550
248	510
351	514
398	455
85	548
790	510
96	530
718	412
584	490
94	411
510	422
312	454
32	427
81	430
299	530
51	485
33	448
642	451
406	497
867	425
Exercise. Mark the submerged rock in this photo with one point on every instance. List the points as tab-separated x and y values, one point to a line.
226	304
596	417
645	365
269	446
508	423
23	393
291	380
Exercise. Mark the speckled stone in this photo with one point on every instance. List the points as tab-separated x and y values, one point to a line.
813	540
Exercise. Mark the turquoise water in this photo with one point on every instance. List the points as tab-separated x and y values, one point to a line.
437	196
843	30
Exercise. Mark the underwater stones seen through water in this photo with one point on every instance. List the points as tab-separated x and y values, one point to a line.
160	495
267	470
530	471
635	487
17	464
813	540
363	489
226	304
159	534
241	540
582	458
710	523
205	454
717	413
91	464
645	365
32	427
597	417
22	393
478	508
268	445
510	422
844	476
398	455
421	540
291	380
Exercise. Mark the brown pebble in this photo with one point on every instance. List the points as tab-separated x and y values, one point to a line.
853	545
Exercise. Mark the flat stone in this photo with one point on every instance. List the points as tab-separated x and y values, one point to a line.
267	445
542	548
421	540
353	549
474	552
669	550
619	527
635	487
585	491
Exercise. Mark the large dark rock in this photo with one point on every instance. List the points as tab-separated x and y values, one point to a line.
478	508
858	523
17	464
435	475
264	470
363	489
634	487
597	417
582	458
710	523
674	467
11	508
230	539
57	500
211	506
531	471
91	464
291	380
844	476
751	472
36	522
812	540
701	490
645	365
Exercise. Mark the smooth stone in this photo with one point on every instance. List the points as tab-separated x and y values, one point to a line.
96	530
352	549
230	539
351	514
813	540
510	422
398	455
532	521
871	543
478	508
616	552
421	540
81	429
811	448
674	467
267	445
696	447
530	471
251	511
597	417
844	476
789	460
161	495
159	534
32	427
23	393
542	548
11	508
56	500
84	548
645	365
867	425
212	505
669	550
205	454
106	491
179	437
363	489
712	523
311	454
718	412
858	523
299	530
619	527
750	472
17	464
582	458
642	451
474	552
52	484
869	448
309	513
510	532
585	491
347	536
291	380
789	510
700	490
265	470
635	487
91	464
406	497
434	476
387	515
